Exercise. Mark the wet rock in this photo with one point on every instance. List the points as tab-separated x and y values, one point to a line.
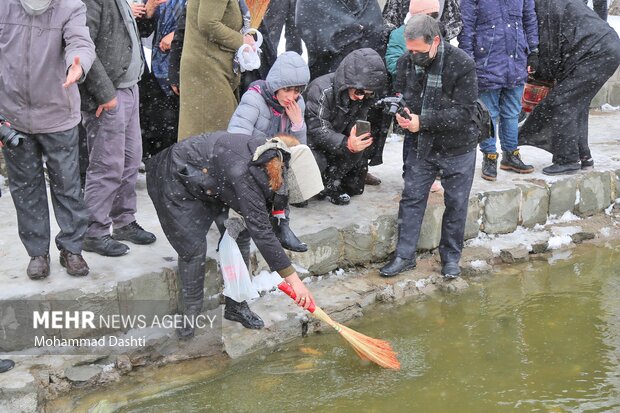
513	255
430	232
453	286
83	373
534	205
472	224
614	94
357	245
562	195
123	364
594	193
501	211
580	237
539	247
324	251
386	295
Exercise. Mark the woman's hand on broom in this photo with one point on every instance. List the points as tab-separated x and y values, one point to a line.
304	297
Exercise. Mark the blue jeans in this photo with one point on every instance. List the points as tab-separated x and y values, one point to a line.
504	104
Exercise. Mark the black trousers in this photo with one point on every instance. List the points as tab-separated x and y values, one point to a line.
457	175
343	173
27	184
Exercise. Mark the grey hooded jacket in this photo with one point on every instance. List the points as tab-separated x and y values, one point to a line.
35	54
254	117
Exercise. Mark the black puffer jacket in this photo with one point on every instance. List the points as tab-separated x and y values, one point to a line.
214	168
452	127
330	114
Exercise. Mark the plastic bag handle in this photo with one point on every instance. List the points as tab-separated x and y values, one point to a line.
288	290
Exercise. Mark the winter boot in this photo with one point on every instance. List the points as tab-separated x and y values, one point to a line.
587	163
489	166
192	275
285	234
241	313
511	161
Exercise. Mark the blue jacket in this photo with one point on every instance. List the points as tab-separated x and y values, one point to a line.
499	35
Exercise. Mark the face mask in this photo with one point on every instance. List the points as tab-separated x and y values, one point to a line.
35	7
422	59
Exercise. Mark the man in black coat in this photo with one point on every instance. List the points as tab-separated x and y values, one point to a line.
439	84
579	52
193	183
333	103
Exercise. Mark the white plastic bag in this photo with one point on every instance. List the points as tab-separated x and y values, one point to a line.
248	56
237	283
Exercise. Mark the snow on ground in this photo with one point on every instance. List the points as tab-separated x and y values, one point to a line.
521	236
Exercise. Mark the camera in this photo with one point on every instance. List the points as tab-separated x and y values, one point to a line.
393	105
9	136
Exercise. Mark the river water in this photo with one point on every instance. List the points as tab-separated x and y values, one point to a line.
535	337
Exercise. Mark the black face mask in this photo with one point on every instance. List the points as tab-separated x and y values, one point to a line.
422	59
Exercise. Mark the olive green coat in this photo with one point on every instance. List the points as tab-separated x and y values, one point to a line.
207	83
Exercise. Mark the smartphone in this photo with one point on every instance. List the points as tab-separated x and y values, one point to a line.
362	127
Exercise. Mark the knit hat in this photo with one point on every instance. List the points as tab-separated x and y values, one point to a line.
423	7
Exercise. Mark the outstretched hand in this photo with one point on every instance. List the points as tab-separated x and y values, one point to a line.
74	73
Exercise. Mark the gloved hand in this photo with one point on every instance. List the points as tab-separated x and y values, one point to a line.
532	61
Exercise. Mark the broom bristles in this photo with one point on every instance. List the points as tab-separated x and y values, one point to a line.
258	8
367	348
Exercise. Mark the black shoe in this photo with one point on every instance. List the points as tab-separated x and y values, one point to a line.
6	365
587	164
186	331
396	266
241	313
372	180
74	263
133	233
285	235
300	204
562	169
511	161
38	267
105	246
489	166
450	270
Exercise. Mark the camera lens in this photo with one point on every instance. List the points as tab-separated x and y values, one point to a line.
10	137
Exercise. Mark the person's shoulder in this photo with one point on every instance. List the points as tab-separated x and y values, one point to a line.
254	98
459	58
319	85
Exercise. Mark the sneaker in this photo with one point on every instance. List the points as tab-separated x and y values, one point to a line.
105	246
489	166
511	161
74	263
133	233
562	169
38	267
587	164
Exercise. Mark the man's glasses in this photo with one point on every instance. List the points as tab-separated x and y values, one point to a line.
363	93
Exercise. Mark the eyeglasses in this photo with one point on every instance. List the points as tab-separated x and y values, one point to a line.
363	93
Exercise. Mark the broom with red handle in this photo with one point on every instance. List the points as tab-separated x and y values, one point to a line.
368	348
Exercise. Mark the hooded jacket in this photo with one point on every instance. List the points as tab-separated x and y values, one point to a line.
214	169
254	116
35	54
499	35
330	114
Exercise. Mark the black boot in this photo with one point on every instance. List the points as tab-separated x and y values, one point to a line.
241	313
396	266
6	365
489	166
511	161
285	235
562	168
192	275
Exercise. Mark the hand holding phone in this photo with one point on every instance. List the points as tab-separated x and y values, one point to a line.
362	127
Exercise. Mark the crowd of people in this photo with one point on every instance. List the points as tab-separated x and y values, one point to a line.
214	136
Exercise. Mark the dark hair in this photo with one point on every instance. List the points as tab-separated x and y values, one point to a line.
422	26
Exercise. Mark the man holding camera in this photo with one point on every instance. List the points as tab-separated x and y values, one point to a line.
438	82
46	49
334	102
